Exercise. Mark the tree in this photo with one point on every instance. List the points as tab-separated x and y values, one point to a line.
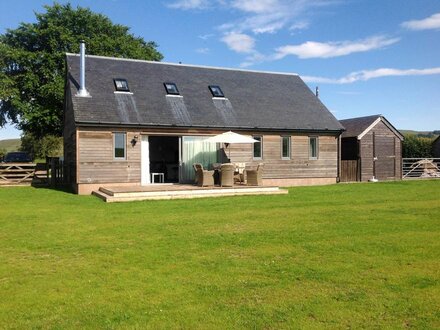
3	152
416	147
40	148
32	60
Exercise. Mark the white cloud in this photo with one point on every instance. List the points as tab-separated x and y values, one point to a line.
312	49
270	16
258	16
206	36
365	75
239	42
202	50
429	23
255	6
189	4
301	25
253	59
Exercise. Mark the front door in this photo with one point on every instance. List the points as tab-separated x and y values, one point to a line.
145	161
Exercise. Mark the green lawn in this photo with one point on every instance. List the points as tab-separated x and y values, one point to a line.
340	256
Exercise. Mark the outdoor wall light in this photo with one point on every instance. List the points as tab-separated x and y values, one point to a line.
134	140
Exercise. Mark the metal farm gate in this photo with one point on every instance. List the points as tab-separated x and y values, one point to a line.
421	168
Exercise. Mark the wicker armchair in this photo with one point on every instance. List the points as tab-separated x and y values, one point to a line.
239	174
203	177
255	177
196	175
227	175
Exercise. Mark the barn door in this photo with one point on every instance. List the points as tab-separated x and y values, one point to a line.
385	157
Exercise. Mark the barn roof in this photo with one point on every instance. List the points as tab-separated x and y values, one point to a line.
252	100
358	127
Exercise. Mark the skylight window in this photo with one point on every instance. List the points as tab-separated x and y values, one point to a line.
121	85
216	91
171	88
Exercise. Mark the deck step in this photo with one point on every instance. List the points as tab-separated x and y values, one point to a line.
112	195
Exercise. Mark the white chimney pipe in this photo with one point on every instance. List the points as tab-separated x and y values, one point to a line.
82	71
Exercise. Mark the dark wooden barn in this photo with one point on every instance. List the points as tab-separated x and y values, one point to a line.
436	147
371	148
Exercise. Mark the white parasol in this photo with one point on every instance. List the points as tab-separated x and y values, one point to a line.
230	137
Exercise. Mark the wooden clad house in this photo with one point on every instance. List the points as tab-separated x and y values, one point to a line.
371	148
133	118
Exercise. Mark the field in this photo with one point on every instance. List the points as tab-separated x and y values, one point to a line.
340	256
10	145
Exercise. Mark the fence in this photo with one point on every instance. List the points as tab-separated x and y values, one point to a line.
413	168
16	173
52	173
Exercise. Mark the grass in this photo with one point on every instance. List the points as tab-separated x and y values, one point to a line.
10	144
340	256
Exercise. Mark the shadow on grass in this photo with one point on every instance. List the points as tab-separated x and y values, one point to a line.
61	188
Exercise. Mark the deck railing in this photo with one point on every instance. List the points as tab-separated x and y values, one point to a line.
413	168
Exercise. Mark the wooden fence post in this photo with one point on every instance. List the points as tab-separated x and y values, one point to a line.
53	172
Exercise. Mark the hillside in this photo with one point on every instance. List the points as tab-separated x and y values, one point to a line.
428	134
10	144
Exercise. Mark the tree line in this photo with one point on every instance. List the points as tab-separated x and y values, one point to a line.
415	146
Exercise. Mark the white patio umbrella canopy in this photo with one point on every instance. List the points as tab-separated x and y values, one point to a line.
230	137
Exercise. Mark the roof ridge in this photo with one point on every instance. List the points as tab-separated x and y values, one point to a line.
186	65
355	118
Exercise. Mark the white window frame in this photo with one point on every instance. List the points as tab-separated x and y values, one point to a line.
261	147
316	138
114	146
289	146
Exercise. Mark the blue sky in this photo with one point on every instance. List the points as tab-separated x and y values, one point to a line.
366	56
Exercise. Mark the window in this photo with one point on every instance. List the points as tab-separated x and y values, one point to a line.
119	145
121	85
285	147
313	147
258	147
171	88
216	91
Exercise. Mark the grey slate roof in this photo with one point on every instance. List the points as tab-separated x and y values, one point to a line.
356	126
252	99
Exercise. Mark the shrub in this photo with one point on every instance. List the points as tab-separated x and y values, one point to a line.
2	153
417	147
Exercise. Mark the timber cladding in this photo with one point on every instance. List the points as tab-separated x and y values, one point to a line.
380	154
436	148
96	163
299	165
69	137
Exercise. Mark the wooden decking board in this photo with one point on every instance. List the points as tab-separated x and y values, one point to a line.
164	191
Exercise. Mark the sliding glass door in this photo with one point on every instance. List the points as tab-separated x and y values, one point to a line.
194	149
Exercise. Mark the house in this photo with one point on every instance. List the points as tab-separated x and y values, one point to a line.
371	148
436	148
127	119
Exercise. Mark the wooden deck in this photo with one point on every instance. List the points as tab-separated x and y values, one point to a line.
179	191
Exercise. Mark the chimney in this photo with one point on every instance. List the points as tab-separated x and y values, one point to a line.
82	71
317	91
